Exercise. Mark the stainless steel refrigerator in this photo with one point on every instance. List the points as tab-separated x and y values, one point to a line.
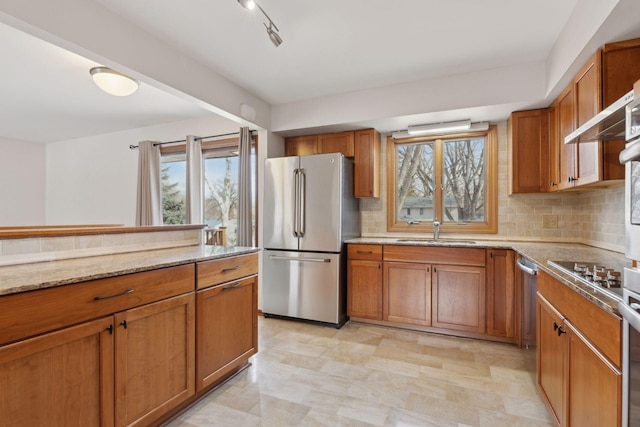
309	211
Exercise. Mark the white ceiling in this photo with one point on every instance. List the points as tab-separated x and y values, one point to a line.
330	47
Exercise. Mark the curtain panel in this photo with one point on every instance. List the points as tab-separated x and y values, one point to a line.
149	187
245	225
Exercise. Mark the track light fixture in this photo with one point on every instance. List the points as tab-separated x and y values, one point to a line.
272	29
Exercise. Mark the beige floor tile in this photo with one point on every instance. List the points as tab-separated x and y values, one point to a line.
364	375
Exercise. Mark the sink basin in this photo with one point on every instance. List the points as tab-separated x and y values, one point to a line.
435	242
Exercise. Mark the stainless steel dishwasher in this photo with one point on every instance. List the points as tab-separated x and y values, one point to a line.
528	283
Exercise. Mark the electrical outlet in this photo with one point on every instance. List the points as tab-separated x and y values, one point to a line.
549	221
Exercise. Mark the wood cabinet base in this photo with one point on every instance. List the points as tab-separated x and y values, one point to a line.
431	329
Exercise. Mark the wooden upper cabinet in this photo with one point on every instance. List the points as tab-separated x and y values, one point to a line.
554	157
342	142
620	69
367	163
587	98
301	145
566	124
529	151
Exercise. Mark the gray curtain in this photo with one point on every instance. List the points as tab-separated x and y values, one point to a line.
149	198
195	182
245	227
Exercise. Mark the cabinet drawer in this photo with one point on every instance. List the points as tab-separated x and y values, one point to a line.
218	271
366	252
436	255
54	308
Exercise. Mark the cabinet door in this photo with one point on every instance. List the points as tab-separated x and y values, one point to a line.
458	300
554	147
407	293
594	385
566	152
342	142
227	329
501	319
587	90
550	358
367	163
364	289
529	149
155	359
300	145
63	378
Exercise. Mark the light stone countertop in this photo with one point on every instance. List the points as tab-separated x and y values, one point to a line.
29	277
539	253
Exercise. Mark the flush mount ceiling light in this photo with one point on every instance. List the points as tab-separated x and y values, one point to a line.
113	82
272	29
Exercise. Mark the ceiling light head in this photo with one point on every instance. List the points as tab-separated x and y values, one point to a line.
435	128
113	82
248	4
273	35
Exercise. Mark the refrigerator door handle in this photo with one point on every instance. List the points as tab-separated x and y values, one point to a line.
303	194
288	258
296	204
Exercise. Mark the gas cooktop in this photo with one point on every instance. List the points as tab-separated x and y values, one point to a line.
599	277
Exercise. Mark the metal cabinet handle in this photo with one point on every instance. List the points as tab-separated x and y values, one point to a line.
227	287
224	270
101	297
365	252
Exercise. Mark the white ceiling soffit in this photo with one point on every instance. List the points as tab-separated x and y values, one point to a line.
48	96
337	46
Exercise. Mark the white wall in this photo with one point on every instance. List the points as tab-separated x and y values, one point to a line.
93	180
22	183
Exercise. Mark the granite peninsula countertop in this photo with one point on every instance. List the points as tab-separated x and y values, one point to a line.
40	275
539	253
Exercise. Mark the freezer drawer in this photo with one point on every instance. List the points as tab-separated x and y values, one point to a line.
303	285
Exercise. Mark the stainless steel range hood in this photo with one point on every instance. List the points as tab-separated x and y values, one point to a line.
607	124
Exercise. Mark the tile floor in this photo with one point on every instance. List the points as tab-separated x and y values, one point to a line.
362	375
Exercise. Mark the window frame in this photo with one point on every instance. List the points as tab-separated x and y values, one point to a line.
216	145
489	226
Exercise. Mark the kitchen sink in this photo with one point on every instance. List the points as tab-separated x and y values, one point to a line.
435	242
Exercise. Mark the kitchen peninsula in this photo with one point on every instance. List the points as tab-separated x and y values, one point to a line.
126	337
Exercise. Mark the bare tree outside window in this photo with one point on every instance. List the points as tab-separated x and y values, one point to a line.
464	180
415	182
443	180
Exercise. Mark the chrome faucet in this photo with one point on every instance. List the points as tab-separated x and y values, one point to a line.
436	229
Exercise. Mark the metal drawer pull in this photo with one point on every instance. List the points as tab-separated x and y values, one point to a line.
224	270
100	297
235	285
288	258
365	252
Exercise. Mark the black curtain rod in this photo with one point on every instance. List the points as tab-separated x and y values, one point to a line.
133	147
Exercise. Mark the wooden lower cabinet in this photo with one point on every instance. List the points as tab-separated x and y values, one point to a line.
407	293
227	329
458	300
155	359
594	384
364	289
580	386
550	358
63	378
501	293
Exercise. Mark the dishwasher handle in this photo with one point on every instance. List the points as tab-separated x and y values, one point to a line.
524	267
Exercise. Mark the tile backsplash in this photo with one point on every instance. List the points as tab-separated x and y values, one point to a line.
594	217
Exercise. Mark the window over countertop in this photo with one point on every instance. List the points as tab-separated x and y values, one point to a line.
448	178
